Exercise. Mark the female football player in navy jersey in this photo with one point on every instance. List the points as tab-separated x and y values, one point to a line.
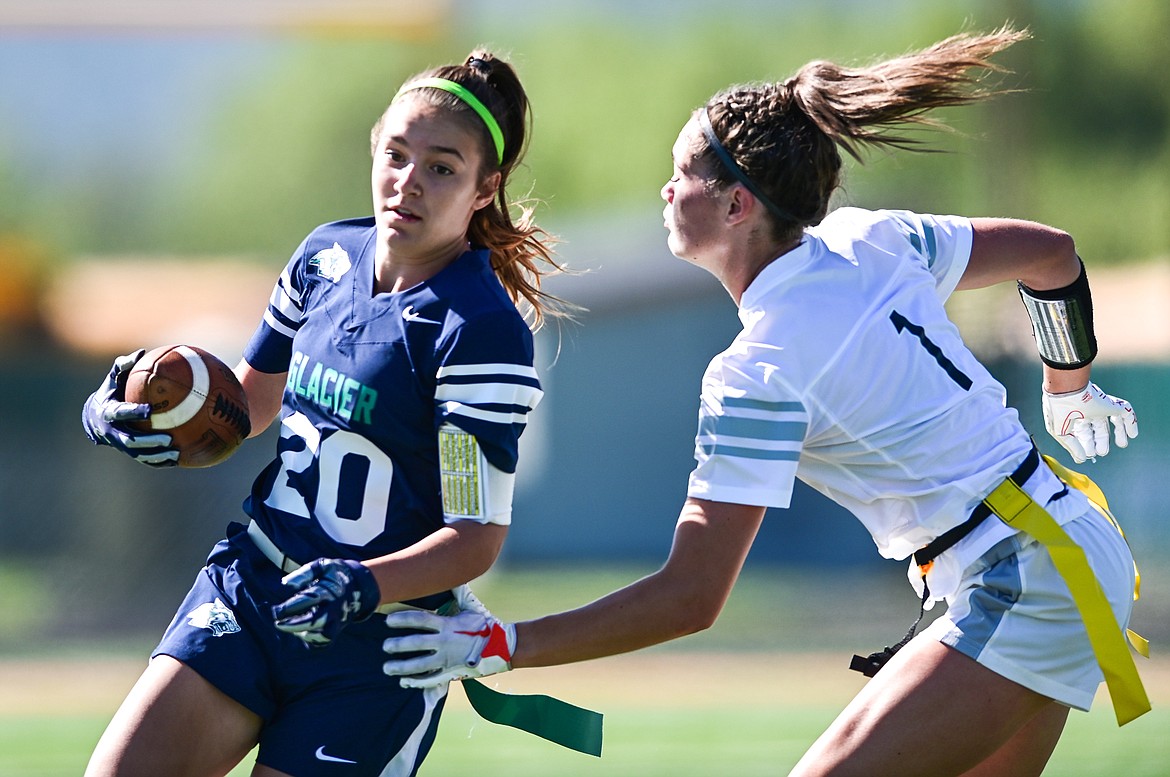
395	351
849	375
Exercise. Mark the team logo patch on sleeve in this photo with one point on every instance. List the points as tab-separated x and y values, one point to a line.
216	617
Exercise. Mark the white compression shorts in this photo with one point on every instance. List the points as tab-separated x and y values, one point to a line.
1014	614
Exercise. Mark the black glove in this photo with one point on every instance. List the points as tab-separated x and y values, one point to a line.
105	413
331	593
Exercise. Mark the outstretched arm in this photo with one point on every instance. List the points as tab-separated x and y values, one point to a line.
686	595
711	541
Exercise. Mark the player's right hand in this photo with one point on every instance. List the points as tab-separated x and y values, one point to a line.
473	643
104	415
1079	420
330	593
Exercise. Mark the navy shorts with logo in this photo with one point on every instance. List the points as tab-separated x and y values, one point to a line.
326	710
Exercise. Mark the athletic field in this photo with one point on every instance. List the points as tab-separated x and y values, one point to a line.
702	708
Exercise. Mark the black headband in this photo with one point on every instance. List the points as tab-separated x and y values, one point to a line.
737	171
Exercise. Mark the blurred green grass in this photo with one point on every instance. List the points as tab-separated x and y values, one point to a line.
642	740
745	698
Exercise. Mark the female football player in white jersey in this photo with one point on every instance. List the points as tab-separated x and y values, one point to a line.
396	353
849	376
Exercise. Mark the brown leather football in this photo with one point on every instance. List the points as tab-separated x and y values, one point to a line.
195	398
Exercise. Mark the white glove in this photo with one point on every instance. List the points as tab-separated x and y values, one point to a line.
467	601
473	643
1079	420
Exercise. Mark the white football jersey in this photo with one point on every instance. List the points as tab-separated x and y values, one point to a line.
849	375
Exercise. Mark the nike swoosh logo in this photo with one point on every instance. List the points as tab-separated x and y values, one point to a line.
322	757
484	632
410	314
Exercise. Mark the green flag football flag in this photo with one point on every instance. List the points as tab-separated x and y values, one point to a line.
552	719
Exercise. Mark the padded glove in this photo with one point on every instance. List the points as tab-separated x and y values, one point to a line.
330	594
473	643
105	413
1079	420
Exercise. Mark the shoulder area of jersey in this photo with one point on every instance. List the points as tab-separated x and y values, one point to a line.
332	249
352	235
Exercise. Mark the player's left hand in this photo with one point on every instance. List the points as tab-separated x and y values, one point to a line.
330	594
473	643
1079	420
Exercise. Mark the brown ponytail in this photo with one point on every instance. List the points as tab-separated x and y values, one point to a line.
787	137
521	252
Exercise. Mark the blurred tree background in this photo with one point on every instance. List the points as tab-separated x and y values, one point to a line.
282	146
126	151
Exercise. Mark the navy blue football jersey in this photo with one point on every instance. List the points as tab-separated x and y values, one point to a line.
371	379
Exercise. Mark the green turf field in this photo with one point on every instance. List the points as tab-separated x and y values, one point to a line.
700	708
667	713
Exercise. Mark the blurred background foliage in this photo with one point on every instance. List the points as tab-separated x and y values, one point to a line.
280	144
121	152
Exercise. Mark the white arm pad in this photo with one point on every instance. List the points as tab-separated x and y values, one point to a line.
473	489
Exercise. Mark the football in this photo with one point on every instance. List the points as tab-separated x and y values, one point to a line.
195	398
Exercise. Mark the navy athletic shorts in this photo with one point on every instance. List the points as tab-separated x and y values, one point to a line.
326	710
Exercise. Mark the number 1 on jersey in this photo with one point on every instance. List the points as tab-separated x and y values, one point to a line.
901	323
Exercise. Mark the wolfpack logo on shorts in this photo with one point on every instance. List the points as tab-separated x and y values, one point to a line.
216	617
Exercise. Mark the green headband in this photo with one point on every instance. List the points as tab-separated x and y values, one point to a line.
464	94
